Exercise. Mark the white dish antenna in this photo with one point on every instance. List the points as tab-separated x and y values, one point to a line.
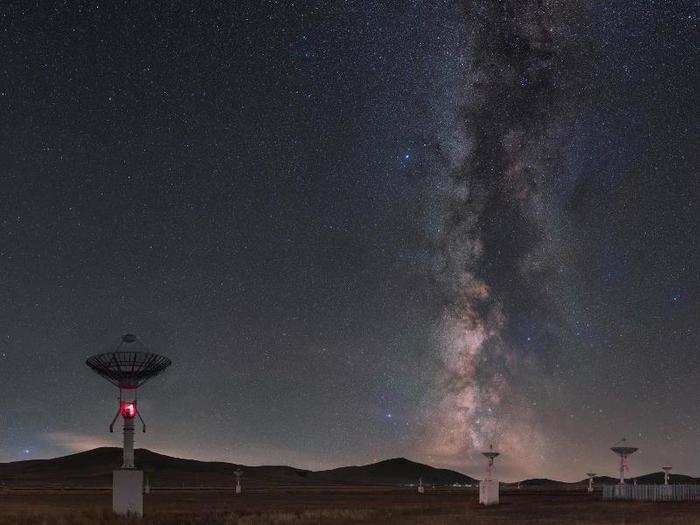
491	455
239	474
590	475
667	474
489	487
624	451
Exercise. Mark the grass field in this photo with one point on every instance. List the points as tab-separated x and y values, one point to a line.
387	507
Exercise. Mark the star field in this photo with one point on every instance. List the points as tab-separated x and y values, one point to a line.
359	230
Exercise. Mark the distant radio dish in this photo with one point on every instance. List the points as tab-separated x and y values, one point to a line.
489	487
239	474
590	475
667	474
624	451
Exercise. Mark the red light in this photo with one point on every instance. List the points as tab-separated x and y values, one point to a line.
127	409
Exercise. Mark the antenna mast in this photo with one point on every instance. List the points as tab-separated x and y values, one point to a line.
590	475
489	487
127	368
622	450
667	474
238	473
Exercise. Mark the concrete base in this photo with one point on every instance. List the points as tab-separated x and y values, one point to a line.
127	492
488	492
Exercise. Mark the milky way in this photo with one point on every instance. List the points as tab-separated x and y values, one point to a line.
499	252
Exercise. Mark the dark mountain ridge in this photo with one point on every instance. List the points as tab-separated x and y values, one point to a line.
94	467
654	478
398	470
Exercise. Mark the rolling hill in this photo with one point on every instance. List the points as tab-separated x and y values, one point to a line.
394	471
654	478
658	478
94	468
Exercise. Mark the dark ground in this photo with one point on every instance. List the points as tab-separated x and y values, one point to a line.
349	505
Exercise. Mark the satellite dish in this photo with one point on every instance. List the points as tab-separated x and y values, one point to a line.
128	367
667	474
590	475
489	487
128	370
238	473
624	451
491	455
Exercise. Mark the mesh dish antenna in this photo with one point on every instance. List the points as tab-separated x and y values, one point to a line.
624	451
128	367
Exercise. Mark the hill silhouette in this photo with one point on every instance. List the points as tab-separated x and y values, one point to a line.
396	470
658	478
541	482
655	478
94	468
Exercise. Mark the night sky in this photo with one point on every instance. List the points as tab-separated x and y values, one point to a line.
359	229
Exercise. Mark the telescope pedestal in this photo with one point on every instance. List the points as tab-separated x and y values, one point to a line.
488	492
127	492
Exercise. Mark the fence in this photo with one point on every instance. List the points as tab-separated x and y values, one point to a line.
652	492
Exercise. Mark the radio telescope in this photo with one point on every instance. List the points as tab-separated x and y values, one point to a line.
590	475
622	450
667	474
488	488
128	368
238	473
